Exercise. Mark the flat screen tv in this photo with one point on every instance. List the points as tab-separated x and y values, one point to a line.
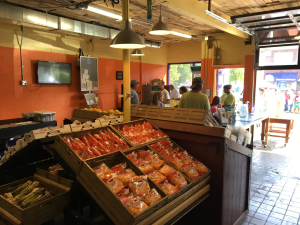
54	72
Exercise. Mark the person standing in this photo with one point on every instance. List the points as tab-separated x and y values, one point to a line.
182	90
287	97
134	94
195	99
297	102
166	96
261	103
216	103
156	99
227	99
291	100
174	92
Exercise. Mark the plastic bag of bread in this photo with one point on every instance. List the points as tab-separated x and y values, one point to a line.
132	155
156	162
187	159
118	167
201	168
178	164
136	161
115	185
157	177
126	198
124	192
139	186
167	170
136	206
144	154
152	197
173	152
168	188
146	168
178	180
156	146
125	175
191	171
102	171
164	153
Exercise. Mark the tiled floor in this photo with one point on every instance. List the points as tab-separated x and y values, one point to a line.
275	184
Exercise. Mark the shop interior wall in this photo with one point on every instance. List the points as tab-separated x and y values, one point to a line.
63	47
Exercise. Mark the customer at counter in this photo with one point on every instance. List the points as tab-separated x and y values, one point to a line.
227	99
134	94
182	90
156	99
216	103
165	93
195	99
174	92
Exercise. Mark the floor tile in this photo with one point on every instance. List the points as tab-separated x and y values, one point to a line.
292	214
279	210
295	204
284	197
264	211
257	199
259	195
283	201
274	220
260	191
244	223
251	213
294	209
248	218
276	215
255	203
253	208
268	202
261	216
290	219
265	206
288	223
257	221
281	205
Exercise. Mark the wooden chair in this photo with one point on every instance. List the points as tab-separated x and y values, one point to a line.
281	130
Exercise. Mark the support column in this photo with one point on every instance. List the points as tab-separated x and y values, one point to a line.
126	68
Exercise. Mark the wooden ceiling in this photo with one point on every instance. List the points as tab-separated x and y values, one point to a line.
138	13
243	7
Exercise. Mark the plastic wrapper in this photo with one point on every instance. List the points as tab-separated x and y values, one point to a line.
152	197
146	168
201	168
102	170
191	171
187	159
132	155
139	186
168	188
178	180
167	170
157	177
137	207
115	185
156	162
125	175
144	154
172	152
136	162
178	164
118	167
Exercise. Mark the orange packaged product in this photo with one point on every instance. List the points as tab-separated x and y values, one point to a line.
146	168
178	180
124	192
136	161
157	177
164	153
118	167
191	171
178	164
187	159
136	206
156	162
115	185
152	197
102	170
144	154
132	155
168	188
125	199
125	175
173	151
167	170
139	186
156	146
201	168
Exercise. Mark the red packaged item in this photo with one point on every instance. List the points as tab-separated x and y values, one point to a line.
156	146
167	146
167	170
164	153
102	170
124	192
144	154
165	142
157	177
136	161
156	162
178	164
201	168
146	168
137	207
96	151
125	199
132	155
187	159
139	186
115	185
118	167
178	180
152	197
125	175
191	171
168	188
173	151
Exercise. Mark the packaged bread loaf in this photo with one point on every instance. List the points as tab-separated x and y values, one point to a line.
168	188
178	180
152	197
157	177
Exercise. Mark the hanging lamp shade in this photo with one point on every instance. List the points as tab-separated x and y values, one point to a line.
160	28
127	38
298	35
137	52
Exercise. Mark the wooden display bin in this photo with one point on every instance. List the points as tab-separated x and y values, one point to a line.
106	199
54	177
86	115
67	153
40	212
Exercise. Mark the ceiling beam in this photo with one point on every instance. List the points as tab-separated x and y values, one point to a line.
195	11
270	25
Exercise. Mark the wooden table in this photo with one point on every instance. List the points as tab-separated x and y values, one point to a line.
289	123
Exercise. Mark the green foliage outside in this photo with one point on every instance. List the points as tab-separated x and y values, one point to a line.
180	74
236	75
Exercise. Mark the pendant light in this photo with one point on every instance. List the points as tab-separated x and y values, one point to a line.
127	38
160	28
137	52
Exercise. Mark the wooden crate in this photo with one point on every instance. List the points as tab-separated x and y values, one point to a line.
178	193
107	200
86	115
140	121
67	153
193	182
54	177
40	212
194	116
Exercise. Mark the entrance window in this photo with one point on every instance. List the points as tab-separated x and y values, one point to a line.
180	74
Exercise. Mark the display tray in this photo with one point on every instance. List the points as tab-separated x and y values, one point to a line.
193	182
106	199
67	153
86	115
140	121
42	211
178	193
54	177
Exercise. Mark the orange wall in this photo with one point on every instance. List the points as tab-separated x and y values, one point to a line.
60	98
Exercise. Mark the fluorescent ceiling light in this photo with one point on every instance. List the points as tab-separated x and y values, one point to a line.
104	13
181	34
